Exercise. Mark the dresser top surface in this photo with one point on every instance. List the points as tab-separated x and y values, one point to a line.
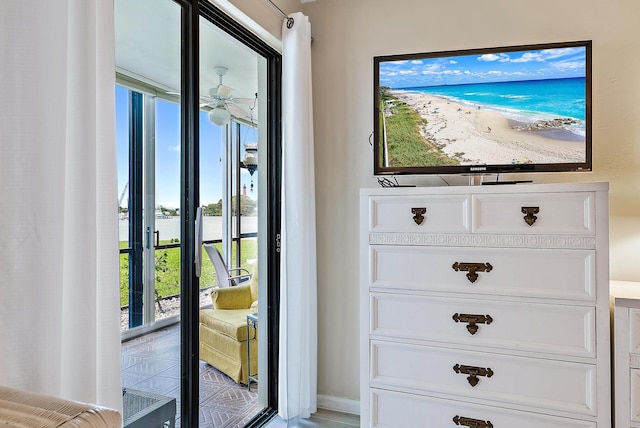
625	293
496	189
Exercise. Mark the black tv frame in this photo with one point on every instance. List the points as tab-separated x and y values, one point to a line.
380	170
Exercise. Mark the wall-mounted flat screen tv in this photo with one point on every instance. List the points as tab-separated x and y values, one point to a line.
508	109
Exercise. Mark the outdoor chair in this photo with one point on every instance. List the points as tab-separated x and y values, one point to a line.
224	336
226	277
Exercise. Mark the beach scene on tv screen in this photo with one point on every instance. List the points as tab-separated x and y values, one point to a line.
524	107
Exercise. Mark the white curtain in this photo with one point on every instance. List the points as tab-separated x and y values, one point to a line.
59	276
298	304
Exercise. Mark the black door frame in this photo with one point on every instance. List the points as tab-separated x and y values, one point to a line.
135	206
189	201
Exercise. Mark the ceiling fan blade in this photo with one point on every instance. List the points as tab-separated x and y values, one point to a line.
237	111
224	91
247	101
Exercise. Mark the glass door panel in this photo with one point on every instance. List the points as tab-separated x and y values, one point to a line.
230	89
164	225
148	48
154	179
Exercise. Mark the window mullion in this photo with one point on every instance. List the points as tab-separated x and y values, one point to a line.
149	186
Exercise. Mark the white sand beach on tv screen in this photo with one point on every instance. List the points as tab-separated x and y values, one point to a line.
475	135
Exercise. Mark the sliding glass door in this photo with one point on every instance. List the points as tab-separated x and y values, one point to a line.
149	122
198	101
234	147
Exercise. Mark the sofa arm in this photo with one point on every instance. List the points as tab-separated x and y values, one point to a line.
238	297
28	409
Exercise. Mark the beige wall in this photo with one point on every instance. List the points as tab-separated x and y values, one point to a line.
348	33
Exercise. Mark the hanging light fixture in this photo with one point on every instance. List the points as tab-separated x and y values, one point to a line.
250	160
219	116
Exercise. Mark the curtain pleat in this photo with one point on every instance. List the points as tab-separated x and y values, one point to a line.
59	281
298	304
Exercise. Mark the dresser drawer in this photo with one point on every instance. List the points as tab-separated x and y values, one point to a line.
634	394
533	327
396	409
563	213
556	274
634	332
535	383
442	214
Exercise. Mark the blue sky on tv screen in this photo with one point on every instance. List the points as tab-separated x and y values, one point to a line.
558	63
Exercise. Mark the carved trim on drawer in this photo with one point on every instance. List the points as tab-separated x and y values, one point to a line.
470	240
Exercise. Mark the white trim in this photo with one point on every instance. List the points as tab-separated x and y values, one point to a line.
149	206
481	240
148	328
337	404
240	17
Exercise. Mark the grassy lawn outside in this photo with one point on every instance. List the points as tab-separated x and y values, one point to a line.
168	268
405	144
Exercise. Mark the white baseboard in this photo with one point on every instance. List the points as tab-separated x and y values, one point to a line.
337	404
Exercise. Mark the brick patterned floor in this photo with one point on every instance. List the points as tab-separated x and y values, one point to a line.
152	363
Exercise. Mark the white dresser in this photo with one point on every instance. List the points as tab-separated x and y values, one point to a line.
485	306
626	309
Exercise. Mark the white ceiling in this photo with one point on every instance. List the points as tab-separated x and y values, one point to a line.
148	49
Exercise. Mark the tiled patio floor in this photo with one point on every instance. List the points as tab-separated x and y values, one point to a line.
152	363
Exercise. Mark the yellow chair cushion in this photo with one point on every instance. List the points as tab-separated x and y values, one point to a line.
238	297
230	322
254	283
254	291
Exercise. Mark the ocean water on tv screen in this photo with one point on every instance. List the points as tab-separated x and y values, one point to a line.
522	101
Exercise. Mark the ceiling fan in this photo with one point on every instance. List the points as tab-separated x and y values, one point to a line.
224	105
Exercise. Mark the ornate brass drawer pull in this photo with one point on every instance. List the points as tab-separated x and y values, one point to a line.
473	373
472	423
418	215
530	212
472	268
472	321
